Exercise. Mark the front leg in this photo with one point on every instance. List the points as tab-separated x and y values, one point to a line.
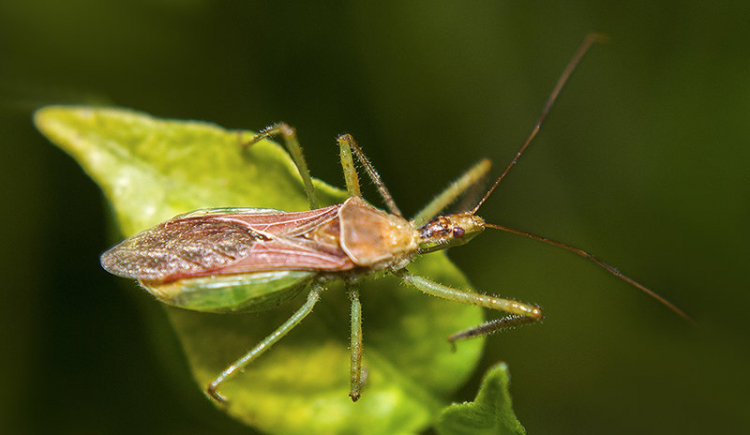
520	313
491	326
460	186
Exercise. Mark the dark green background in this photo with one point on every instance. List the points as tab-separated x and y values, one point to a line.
644	162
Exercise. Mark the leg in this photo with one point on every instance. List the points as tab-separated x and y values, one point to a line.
356	381
456	189
240	364
295	150
347	165
347	141
492	326
520	313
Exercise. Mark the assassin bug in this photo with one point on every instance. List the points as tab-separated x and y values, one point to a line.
249	259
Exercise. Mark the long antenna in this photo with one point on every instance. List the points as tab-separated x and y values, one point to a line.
574	61
604	265
582	49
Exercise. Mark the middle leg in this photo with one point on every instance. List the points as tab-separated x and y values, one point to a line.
289	134
355	378
348	146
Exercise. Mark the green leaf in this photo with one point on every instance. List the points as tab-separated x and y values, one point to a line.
491	413
152	169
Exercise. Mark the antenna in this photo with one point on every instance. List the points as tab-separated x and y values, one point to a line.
574	61
604	265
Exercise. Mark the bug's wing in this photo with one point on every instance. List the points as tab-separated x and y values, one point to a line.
221	243
179	248
268	221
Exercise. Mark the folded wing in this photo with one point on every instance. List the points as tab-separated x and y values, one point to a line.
226	241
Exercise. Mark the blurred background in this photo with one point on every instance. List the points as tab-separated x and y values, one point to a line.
643	162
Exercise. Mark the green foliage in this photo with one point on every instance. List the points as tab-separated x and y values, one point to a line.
151	170
490	414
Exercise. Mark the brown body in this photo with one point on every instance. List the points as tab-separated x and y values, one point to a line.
337	238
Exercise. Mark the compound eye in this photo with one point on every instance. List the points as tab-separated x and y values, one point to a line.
458	232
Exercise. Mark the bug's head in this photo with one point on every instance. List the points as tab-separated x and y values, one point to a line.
444	232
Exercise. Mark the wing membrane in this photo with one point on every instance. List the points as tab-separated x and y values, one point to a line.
226	241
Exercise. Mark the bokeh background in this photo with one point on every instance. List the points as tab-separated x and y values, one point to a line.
644	162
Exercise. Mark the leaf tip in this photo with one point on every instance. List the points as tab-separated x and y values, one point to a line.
491	412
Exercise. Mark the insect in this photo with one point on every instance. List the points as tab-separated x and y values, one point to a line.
249	259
